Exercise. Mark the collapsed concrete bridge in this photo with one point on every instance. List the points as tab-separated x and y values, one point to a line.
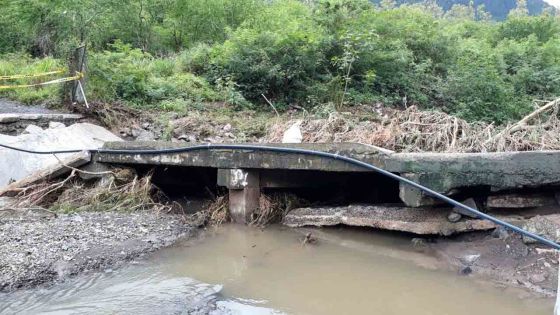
497	176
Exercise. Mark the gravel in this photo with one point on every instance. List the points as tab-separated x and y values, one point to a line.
40	247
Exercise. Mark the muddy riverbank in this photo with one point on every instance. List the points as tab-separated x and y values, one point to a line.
502	258
42	247
234	269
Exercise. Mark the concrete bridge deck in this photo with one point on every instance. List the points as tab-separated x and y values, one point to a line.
447	173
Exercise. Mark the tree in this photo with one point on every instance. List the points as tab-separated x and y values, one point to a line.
388	4
521	9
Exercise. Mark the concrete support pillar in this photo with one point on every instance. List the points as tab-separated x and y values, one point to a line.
413	197
244	192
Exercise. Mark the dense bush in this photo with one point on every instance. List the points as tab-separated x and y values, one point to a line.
277	53
175	53
128	74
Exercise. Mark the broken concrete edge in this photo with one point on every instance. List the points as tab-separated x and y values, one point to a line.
10	118
61	168
425	221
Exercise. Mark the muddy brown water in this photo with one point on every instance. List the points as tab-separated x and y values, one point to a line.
270	272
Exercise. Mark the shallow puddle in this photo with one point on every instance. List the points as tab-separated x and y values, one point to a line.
269	271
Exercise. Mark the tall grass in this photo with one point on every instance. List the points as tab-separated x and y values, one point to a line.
14	64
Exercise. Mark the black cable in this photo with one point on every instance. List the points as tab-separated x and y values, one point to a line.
40	152
328	155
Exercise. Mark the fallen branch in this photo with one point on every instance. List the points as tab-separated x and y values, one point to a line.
82	171
520	124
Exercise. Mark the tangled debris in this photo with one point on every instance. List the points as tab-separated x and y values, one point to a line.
412	130
215	213
119	189
273	207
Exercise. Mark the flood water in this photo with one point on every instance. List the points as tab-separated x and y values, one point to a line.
241	270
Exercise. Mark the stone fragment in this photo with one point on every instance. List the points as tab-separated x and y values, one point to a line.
414	197
547	226
454	217
418	243
517	201
471	203
125	132
144	135
501	233
537	278
468	260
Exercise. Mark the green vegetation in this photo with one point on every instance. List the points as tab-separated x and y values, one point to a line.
176	55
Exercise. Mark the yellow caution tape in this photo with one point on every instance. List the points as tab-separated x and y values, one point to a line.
78	76
23	76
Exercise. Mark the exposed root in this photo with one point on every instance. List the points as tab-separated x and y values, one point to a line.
112	115
413	130
41	194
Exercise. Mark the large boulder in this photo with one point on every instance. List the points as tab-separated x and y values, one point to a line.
15	165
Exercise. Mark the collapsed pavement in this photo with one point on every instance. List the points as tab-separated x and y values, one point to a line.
518	187
17	165
42	245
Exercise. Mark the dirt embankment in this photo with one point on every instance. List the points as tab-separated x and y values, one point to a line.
502	258
40	247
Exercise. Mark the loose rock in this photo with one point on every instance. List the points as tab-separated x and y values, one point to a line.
454	217
547	226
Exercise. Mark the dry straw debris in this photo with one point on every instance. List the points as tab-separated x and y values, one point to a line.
273	207
412	130
123	190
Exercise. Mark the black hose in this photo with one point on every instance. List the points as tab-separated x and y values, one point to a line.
333	156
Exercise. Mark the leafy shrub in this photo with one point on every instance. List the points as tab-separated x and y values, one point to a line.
277	53
136	77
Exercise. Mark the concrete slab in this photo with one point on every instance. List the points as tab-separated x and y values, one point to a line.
422	221
53	171
17	165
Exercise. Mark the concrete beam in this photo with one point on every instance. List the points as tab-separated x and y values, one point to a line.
413	197
442	172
